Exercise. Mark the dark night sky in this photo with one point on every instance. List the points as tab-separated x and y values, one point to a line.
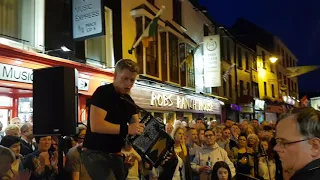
297	24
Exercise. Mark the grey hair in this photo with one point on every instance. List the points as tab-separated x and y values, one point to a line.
308	120
126	64
25	127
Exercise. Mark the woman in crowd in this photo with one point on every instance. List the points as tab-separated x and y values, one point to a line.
42	163
253	142
221	171
242	157
7	158
267	166
13	143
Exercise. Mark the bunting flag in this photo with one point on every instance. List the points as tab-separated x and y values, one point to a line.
189	57
304	102
226	74
299	70
149	32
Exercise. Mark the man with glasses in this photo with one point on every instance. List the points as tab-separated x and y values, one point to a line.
298	144
208	155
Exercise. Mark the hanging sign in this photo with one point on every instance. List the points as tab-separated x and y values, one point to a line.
212	68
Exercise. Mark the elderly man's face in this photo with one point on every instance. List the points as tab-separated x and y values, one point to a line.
294	155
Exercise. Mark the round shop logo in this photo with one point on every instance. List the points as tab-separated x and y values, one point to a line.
211	45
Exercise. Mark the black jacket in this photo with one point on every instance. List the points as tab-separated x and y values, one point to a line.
25	148
310	172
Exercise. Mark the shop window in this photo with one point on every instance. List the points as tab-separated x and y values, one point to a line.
174	58
164	60
230	85
177	15
239	58
99	50
284	80
190	69
158	114
254	63
5	101
205	30
25	109
224	84
241	88
183	69
287	60
272	90
152	66
255	90
19	23
265	88
263	55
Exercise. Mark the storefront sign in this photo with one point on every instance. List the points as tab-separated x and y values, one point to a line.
87	18
155	99
83	84
212	69
259	105
15	73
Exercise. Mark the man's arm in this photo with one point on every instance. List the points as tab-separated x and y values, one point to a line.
99	125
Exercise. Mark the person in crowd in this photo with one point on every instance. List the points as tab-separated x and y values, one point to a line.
133	162
249	130
74	165
1	132
235	132
207	156
253	142
169	127
242	158
229	123
266	162
255	125
7	158
178	168
224	144
42	163
227	137
16	121
27	145
110	112
298	143
201	137
12	130
221	171
192	140
13	143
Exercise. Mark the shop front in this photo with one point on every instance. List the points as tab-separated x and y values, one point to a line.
172	104
16	69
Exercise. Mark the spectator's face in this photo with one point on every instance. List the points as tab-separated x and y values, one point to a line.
210	138
294	155
227	134
218	134
15	148
179	136
222	173
250	131
201	135
235	129
169	128
229	123
255	123
193	136
81	136
214	124
252	140
29	132
44	143
242	141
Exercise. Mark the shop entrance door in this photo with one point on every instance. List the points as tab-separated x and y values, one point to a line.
5	116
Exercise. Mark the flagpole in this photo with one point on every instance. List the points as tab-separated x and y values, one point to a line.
140	38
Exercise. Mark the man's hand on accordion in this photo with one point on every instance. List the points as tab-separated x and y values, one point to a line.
135	128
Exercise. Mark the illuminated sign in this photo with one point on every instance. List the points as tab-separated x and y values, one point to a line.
183	102
16	73
212	69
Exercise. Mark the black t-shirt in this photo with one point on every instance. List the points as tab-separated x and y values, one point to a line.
119	111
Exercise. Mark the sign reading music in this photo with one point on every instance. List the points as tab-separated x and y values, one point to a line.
183	102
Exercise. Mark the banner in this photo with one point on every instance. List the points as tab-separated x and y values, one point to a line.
212	68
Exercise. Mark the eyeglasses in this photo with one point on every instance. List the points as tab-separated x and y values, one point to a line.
283	144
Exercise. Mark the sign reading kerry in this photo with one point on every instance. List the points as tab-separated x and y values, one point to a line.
87	19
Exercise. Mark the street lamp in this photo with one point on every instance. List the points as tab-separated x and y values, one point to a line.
62	48
273	59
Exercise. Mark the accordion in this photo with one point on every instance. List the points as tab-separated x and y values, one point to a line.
154	144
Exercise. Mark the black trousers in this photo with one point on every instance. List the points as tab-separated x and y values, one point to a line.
104	166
